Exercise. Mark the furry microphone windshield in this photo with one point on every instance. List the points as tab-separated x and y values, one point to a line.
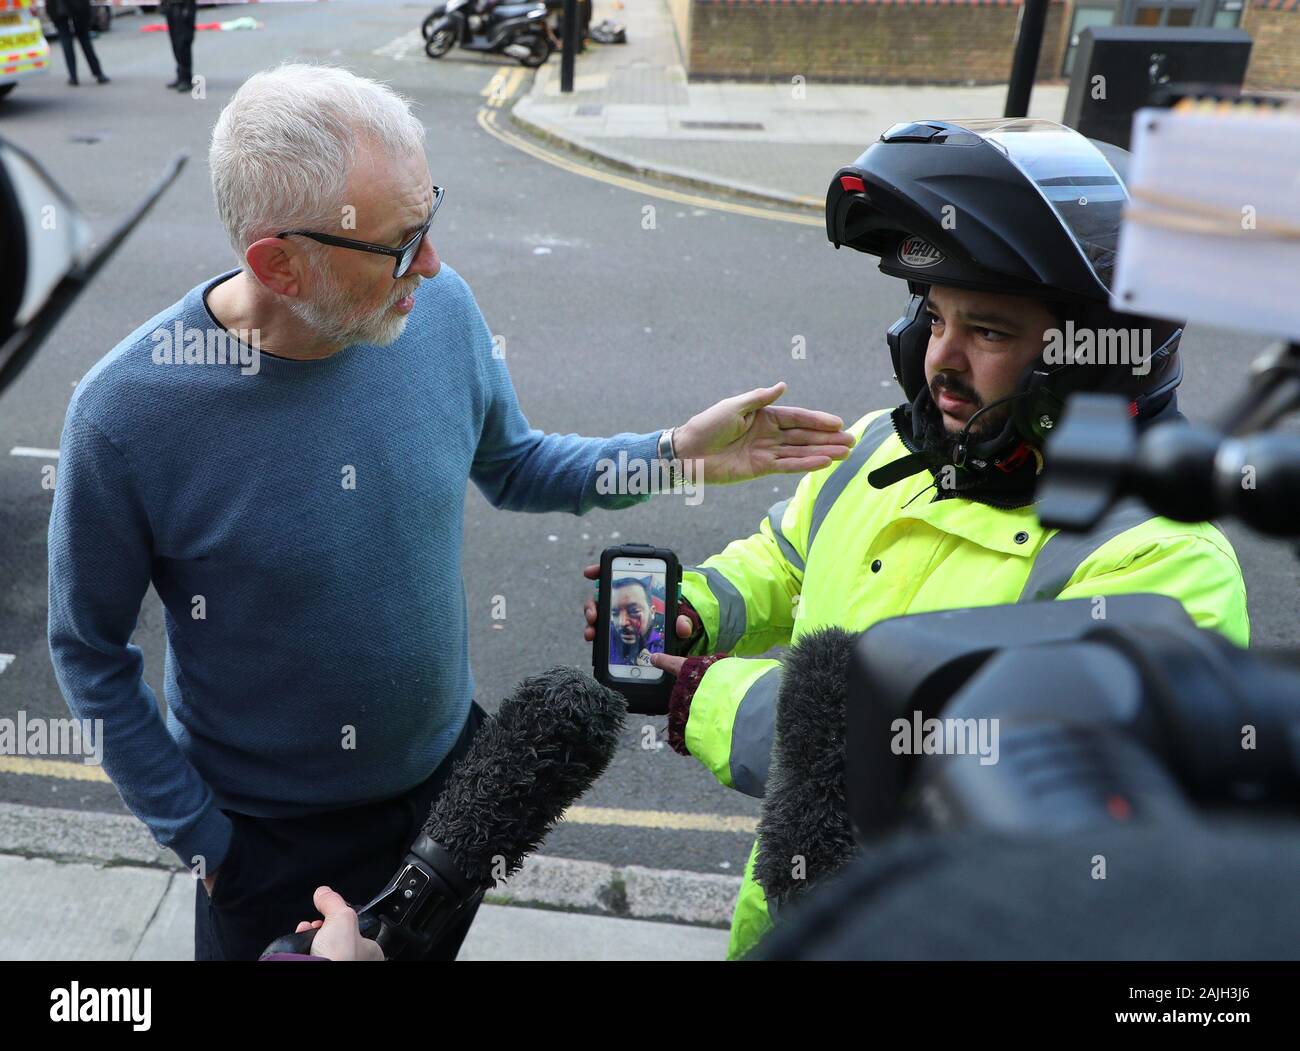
804	833
545	746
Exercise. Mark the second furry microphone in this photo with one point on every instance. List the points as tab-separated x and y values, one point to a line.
804	833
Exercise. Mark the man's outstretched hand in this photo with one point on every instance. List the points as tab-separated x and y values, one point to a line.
747	436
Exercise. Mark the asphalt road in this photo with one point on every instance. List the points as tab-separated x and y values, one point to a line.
608	326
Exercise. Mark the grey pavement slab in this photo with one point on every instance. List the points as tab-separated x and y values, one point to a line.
67	911
502	933
53	911
170	936
633	107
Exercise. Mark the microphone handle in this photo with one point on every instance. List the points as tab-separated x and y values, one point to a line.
300	943
425	896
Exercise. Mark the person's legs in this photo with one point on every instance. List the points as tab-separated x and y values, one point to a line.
173	29
265	886
180	30
81	22
64	25
185	52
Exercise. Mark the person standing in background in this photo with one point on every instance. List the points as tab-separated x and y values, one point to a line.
69	17
180	28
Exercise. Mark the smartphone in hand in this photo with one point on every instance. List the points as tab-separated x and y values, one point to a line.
636	612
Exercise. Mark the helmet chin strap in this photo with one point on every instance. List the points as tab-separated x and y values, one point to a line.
915	462
987	449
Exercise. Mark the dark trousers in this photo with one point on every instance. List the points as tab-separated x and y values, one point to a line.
75	19
264	886
180	27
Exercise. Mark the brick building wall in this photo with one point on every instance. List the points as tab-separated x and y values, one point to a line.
865	41
921	41
1275	54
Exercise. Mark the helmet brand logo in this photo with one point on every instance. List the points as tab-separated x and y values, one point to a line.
917	252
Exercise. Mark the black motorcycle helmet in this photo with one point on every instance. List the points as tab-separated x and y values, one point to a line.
1010	205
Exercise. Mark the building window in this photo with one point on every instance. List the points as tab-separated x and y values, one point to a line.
1163	13
1085	15
1228	15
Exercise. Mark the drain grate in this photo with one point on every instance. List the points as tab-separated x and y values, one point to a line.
588	111
721	125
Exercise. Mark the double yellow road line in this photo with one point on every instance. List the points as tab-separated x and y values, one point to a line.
578	815
503	85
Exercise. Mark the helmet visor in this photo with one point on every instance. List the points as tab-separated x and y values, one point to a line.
1074	177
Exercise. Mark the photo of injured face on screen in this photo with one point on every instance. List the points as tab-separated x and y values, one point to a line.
636	620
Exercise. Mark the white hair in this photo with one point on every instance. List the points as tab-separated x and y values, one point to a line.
284	146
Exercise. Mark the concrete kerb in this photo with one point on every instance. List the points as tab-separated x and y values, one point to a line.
565	884
675	177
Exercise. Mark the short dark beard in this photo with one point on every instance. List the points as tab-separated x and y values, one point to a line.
628	652
943	442
986	425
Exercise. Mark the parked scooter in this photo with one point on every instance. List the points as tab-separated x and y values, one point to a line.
517	30
426	27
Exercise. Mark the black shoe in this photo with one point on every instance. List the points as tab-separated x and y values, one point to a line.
101	78
73	81
177	83
184	85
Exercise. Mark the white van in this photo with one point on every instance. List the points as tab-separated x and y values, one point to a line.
23	48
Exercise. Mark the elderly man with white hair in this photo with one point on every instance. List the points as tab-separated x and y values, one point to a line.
283	453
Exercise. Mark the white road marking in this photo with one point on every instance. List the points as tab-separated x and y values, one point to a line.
27	450
400	48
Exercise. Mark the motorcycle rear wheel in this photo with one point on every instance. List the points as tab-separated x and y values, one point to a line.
539	50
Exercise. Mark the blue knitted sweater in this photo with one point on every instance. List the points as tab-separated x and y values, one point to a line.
302	526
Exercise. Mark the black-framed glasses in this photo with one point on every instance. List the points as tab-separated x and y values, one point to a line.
404	254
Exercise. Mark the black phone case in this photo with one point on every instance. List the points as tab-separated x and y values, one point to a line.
642	699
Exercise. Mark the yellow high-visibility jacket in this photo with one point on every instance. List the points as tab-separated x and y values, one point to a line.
840	552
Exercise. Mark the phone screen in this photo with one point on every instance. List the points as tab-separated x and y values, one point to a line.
637	618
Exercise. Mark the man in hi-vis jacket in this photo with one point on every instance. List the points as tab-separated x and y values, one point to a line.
1005	232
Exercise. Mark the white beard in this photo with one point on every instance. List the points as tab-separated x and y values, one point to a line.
330	314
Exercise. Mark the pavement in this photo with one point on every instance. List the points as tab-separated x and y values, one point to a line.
82	886
633	108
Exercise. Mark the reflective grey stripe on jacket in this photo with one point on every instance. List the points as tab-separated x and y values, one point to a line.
1064	552
774	515
752	735
731	608
877	432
